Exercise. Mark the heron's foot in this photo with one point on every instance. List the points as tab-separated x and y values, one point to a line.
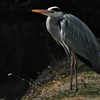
71	88
76	89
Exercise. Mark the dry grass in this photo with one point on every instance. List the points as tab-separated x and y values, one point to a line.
54	81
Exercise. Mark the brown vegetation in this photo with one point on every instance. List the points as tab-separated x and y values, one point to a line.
53	83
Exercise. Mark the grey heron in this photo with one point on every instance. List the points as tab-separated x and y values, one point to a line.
74	36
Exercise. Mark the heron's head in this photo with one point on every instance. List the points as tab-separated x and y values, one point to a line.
52	11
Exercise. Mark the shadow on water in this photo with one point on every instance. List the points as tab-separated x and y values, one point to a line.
12	90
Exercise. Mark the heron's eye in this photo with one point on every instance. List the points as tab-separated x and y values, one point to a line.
52	11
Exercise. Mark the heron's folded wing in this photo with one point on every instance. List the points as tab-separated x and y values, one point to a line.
78	36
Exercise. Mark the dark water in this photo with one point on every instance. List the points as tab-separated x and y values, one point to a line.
13	90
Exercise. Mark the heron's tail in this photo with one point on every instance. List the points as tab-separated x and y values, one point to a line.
96	63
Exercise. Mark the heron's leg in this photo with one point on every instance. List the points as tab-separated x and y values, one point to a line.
71	70
75	69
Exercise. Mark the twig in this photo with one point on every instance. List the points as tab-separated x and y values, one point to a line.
11	74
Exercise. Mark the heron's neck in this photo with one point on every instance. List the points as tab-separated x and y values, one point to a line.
53	20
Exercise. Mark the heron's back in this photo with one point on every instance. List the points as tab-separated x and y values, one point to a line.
81	40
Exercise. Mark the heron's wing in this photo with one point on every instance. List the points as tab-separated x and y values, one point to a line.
78	36
98	39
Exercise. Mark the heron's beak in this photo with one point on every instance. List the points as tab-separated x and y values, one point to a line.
44	12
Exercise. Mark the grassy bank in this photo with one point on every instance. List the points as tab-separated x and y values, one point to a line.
53	82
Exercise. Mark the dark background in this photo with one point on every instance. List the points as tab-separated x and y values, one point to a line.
26	48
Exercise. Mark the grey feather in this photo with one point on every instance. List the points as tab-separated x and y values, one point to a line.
54	28
78	36
80	39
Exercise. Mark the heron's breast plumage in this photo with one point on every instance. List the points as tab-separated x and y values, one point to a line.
54	28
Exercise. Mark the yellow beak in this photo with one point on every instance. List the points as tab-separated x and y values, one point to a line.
41	11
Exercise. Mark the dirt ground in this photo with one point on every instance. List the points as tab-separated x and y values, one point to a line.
53	83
